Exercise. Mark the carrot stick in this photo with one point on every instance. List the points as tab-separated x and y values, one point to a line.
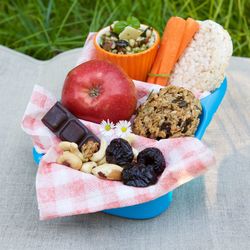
173	37
156	66
154	70
190	29
174	41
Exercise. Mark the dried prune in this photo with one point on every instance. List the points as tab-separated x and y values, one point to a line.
152	157
138	175
119	152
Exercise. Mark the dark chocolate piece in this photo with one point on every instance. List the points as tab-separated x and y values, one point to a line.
66	126
55	118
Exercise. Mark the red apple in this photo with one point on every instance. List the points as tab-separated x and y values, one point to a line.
98	90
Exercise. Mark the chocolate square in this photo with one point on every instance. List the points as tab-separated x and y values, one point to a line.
55	118
66	126
73	132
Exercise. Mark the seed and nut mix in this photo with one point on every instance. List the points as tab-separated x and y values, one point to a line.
115	161
88	149
127	39
173	112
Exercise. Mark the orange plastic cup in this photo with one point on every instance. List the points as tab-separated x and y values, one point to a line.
138	65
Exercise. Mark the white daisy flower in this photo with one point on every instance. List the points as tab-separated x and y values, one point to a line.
123	129
107	129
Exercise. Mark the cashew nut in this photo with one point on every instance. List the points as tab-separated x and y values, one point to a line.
102	161
65	145
88	166
72	147
108	171
100	153
69	159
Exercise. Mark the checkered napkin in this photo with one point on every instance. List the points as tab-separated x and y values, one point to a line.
62	191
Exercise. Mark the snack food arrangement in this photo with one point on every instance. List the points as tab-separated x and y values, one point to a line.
82	150
173	112
190	63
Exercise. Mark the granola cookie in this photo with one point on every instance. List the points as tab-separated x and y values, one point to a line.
173	112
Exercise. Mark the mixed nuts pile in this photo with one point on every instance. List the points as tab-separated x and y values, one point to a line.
117	161
127	37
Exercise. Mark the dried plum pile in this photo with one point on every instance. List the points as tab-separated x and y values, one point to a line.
150	164
141	173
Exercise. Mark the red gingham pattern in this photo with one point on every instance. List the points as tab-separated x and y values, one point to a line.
62	191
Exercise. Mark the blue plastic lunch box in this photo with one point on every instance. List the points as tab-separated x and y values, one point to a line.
155	207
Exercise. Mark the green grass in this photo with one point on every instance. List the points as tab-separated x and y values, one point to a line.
43	29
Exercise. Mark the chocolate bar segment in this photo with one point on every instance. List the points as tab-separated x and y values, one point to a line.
73	132
55	118
66	126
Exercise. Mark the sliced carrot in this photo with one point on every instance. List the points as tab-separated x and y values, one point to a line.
190	29
172	40
156	66
177	35
157	62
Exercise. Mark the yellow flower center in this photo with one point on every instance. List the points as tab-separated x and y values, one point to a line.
107	127
123	129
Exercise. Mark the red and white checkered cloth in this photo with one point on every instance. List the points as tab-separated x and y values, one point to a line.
62	191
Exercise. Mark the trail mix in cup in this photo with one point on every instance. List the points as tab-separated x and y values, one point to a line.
127	37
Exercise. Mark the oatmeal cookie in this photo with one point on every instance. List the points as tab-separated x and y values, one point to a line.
173	112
